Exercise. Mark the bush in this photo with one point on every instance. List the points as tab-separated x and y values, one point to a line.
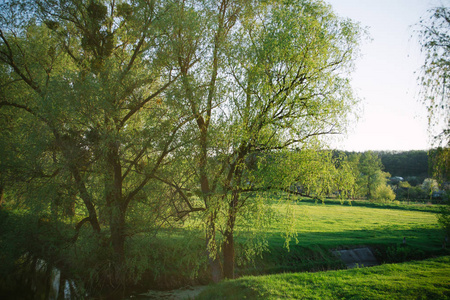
402	253
383	193
417	193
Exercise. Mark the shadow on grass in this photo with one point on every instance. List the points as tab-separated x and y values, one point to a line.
433	208
427	238
313	252
277	197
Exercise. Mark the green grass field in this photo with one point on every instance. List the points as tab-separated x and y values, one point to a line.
427	279
334	225
322	227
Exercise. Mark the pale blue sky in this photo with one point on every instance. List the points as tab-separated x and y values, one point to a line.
393	117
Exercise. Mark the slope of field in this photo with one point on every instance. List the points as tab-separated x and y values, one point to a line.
344	224
321	227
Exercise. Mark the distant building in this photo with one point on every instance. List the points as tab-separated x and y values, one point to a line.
397	179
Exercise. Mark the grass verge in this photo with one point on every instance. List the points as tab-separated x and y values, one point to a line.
427	279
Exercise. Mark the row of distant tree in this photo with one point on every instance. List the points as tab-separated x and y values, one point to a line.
379	176
411	165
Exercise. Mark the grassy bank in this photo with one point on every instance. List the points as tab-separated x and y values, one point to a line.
427	279
321	227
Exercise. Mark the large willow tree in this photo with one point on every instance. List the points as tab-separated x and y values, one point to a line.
257	77
83	84
167	107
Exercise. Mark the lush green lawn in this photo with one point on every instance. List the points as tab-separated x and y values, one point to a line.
336	225
322	227
428	279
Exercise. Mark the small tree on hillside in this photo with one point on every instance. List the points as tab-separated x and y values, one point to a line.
429	186
371	175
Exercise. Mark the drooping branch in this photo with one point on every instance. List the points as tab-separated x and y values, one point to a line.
27	109
78	228
133	57
158	163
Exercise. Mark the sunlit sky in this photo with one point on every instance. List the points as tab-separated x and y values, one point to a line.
385	78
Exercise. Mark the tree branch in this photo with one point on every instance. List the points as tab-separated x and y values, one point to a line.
183	196
145	101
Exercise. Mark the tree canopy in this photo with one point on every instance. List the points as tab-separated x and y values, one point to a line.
123	115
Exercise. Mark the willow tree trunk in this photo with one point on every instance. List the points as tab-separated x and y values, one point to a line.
228	253
117	227
212	251
228	244
118	207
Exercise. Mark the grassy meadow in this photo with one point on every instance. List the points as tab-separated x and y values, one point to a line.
321	227
330	225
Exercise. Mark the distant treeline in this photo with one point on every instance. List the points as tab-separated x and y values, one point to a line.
406	164
412	165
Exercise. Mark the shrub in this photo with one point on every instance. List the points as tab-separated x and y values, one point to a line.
384	193
402	253
429	186
416	193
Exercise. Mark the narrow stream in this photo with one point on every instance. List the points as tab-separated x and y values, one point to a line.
189	292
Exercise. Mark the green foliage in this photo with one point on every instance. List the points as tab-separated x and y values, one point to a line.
410	193
444	219
125	117
434	38
383	193
404	185
418	193
406	163
370	168
257	78
440	164
401	253
313	173
85	125
30	246
429	186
